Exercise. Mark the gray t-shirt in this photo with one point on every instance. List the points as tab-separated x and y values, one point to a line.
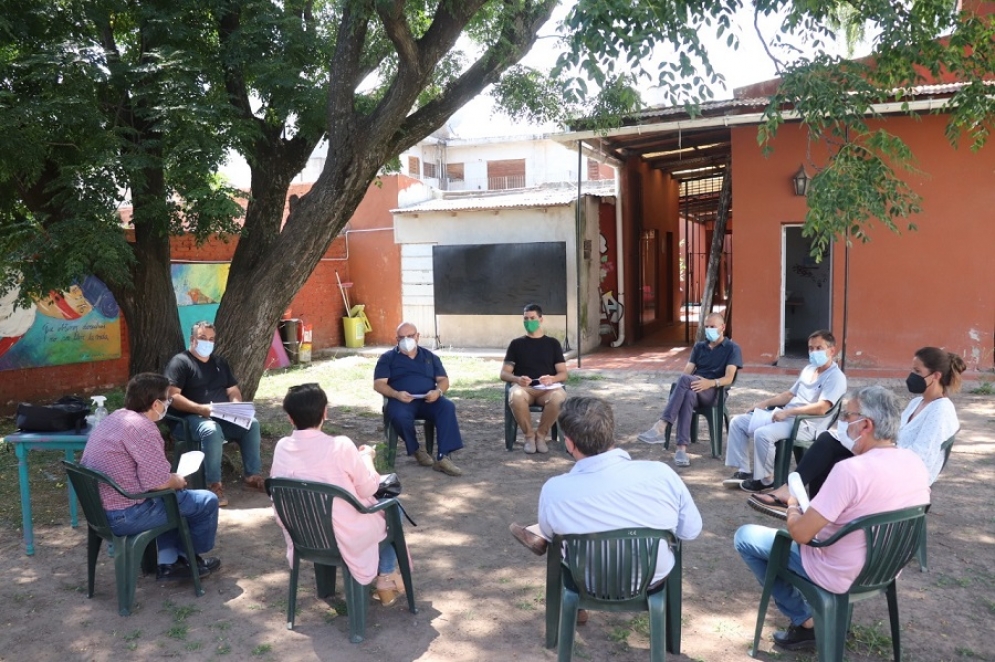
811	387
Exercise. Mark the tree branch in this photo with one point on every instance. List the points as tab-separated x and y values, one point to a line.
399	33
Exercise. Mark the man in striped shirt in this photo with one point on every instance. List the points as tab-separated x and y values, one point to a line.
128	448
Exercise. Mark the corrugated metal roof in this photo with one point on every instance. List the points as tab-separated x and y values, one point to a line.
519	199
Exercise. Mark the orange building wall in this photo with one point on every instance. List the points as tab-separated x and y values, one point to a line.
925	287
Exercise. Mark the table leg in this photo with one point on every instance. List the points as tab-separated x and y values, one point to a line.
22	477
71	457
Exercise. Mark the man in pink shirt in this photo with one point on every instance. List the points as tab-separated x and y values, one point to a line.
881	477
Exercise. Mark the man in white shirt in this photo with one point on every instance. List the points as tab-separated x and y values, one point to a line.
608	490
819	387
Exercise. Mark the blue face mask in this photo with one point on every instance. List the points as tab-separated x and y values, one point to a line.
712	334
204	348
818	358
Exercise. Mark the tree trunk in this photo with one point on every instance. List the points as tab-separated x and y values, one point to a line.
715	251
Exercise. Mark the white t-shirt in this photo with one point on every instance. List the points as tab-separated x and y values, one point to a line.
813	386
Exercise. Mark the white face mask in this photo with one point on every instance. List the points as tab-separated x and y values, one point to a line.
165	406
407	344
204	347
842	428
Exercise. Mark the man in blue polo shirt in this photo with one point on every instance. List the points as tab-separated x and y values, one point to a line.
414	382
713	364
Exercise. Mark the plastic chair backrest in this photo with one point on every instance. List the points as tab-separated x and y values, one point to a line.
613	566
305	509
946	447
86	483
892	541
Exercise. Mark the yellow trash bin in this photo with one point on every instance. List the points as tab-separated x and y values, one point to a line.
356	326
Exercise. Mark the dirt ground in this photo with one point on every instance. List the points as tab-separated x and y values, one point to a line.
479	593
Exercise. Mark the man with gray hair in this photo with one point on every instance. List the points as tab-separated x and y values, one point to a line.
414	383
608	490
879	478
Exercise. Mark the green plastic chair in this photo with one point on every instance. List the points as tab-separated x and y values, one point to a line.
784	448
131	553
611	571
946	447
390	434
305	510
892	540
511	425
716	415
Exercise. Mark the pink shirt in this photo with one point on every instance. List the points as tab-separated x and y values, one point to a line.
128	447
315	456
874	482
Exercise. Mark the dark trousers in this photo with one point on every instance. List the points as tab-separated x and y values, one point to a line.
680	408
819	460
442	413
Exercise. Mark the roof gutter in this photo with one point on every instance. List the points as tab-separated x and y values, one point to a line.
890	108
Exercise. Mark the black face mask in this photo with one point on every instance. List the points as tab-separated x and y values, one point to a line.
915	383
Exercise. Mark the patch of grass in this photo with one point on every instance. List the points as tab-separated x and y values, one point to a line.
991	605
641	625
262	649
133	635
221	626
619	634
223	648
193	646
984	388
965	652
872	640
177	632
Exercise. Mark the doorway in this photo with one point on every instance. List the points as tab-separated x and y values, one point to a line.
806	291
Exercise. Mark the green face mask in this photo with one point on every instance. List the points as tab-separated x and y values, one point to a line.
531	325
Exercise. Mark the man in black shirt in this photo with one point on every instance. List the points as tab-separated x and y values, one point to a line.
536	369
198	377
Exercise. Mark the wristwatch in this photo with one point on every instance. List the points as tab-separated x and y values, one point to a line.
716	383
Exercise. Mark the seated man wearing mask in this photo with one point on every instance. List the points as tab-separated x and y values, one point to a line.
713	364
414	383
879	478
536	369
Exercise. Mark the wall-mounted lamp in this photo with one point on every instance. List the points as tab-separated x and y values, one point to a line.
800	181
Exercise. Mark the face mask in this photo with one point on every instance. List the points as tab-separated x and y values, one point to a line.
531	326
818	358
712	334
842	428
407	344
915	383
164	408
204	348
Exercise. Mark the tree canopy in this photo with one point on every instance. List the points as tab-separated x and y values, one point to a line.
104	102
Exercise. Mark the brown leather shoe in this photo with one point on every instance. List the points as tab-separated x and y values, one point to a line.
256	482
219	491
581	616
535	543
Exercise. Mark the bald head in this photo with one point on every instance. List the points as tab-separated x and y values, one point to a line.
406	329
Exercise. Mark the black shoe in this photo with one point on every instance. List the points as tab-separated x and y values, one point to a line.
753	486
795	638
178	570
208	565
737	479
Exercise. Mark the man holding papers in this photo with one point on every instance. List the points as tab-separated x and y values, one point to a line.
198	378
414	383
537	371
127	447
817	389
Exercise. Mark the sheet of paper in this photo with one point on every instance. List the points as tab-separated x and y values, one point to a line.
797	489
190	462
760	418
551	387
418	396
239	413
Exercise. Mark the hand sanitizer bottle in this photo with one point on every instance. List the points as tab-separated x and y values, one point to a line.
100	413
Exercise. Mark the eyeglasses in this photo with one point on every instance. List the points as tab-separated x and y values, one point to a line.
408	336
168	402
848	415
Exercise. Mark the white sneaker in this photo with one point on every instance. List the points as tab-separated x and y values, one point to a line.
651	436
681	458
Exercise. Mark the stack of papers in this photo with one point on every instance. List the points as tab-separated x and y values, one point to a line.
190	462
239	413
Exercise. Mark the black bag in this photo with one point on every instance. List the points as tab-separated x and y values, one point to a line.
63	415
390	486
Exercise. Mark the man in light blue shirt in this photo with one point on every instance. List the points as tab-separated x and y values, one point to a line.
608	490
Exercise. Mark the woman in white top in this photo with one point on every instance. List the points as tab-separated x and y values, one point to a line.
928	421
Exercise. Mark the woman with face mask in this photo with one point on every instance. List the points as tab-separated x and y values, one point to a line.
928	421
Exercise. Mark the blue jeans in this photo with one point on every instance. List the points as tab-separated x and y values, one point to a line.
199	507
753	542
680	408
442	413
212	435
388	560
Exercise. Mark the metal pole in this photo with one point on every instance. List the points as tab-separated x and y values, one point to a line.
580	246
846	296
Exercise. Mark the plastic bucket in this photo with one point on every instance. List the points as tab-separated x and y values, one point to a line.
355	331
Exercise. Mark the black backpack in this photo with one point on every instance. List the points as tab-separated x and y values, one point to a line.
65	414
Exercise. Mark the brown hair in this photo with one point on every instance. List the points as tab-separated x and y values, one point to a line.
948	364
826	335
143	390
590	424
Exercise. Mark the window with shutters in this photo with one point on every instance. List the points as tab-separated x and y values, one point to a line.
414	166
505	174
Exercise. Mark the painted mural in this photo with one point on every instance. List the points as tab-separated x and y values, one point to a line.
198	289
78	325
